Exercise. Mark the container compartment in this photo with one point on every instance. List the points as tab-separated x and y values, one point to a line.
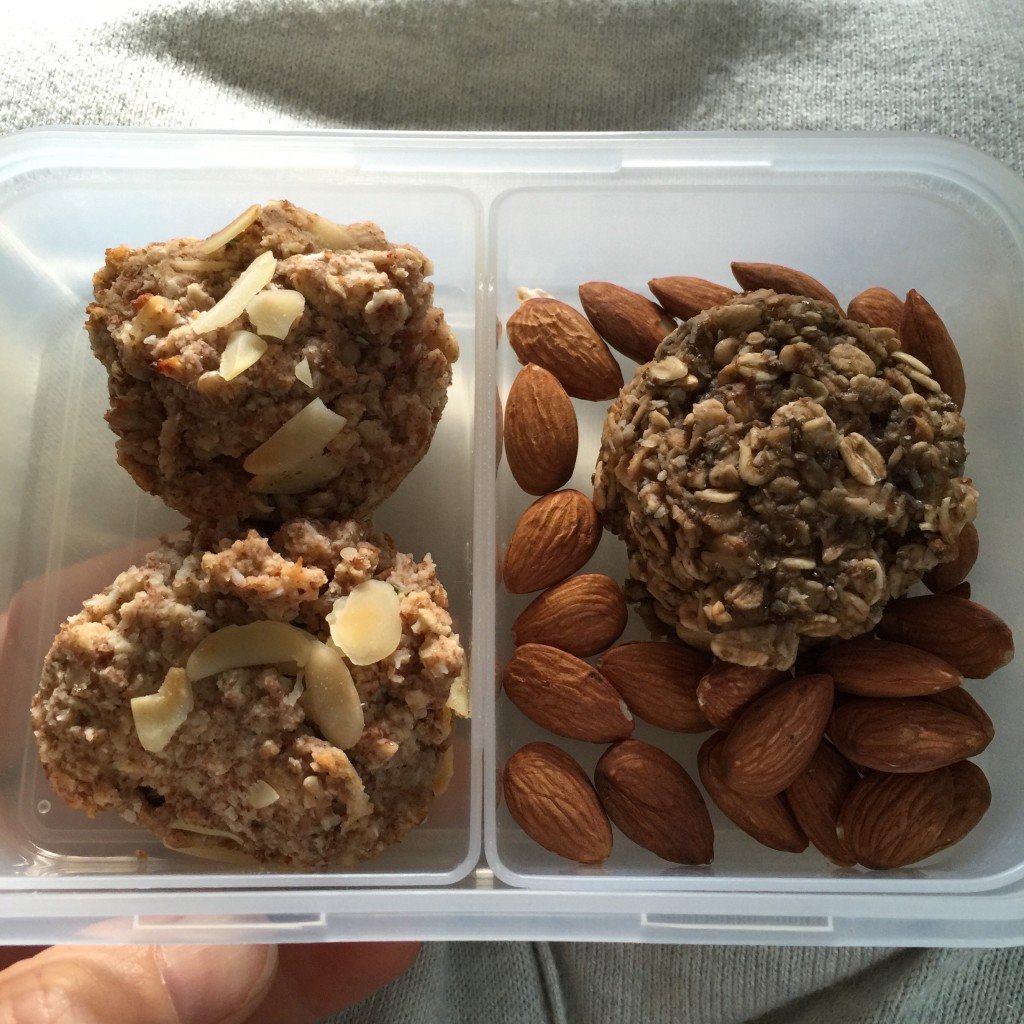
851	229
79	518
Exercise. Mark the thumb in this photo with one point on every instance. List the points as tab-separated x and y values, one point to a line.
138	985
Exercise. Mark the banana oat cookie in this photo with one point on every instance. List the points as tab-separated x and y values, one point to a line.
213	346
778	473
264	741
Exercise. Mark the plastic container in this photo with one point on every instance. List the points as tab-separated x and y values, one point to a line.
494	212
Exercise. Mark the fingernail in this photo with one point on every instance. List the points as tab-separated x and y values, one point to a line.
211	984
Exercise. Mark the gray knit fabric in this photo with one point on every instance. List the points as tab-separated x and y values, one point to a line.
946	66
590	983
953	67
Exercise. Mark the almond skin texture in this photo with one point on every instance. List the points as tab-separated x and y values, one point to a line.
685	297
565	695
877	307
583	615
949	575
552	800
552	334
972	796
653	800
768	819
658	681
554	538
775	738
816	796
890	821
726	690
629	322
881	668
924	335
959	700
783	280
969	636
910	734
541	433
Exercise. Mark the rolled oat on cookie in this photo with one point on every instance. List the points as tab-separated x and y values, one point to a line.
778	473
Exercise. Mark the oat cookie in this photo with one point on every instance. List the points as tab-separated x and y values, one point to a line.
343	329
245	762
778	473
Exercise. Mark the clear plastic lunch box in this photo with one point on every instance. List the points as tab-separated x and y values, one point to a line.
495	212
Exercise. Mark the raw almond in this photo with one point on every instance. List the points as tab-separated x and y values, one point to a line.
816	796
554	803
554	537
972	797
890	821
768	819
959	700
876	307
650	796
726	690
949	575
775	737
909	734
541	433
968	635
961	590
629	322
783	280
685	297
882	668
583	615
924	335
658	681
552	334
565	695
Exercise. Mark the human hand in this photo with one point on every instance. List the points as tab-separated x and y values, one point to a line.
287	984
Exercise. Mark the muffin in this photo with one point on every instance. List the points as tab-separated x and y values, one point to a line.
778	473
281	699
286	366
